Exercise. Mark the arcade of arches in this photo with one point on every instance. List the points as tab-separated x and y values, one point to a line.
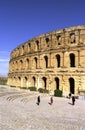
51	61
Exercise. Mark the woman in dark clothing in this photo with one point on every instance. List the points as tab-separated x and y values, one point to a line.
51	100
38	100
73	100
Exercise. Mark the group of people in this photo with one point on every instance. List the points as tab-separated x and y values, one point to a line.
51	100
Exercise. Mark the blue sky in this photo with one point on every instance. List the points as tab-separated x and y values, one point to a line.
21	20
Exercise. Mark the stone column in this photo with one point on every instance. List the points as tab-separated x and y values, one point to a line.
50	59
78	58
79	36
63	57
21	84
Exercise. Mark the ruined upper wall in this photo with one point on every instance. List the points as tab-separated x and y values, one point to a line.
56	39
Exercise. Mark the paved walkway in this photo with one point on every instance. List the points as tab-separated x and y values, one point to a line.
19	111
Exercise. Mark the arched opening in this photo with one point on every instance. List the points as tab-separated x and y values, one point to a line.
57	83
27	63
47	40
44	80
21	64
59	39
16	64
13	66
29	47
58	60
72	38
72	85
19	78
37	44
72	60
35	59
14	80
19	81
34	81
46	61
22	50
25	81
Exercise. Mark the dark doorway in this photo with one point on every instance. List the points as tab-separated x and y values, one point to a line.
35	62
58	60
71	82
46	61
72	60
34	81
44	79
57	83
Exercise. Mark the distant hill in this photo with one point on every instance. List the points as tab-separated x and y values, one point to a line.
3	80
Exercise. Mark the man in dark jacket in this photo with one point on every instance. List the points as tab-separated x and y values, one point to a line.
73	100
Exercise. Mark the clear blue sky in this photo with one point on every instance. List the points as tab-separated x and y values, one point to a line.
21	20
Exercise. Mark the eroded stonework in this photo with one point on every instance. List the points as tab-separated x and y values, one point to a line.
55	60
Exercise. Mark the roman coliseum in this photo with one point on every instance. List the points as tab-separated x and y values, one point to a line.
55	60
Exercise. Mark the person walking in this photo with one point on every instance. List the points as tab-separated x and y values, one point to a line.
73	100
38	100
51	100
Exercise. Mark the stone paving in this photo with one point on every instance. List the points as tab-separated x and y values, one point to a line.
19	111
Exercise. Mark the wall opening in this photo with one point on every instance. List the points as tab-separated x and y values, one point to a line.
34	81
58	60
57	83
72	60
46	61
44	80
35	59
72	85
37	44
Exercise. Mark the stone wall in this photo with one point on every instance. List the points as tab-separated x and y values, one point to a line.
55	60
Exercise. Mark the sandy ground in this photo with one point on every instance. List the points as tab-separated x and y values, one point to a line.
19	111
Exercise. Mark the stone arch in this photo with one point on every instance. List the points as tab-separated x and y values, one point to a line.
29	47
16	65
59	39
44	82
72	85
34	81
37	45
19	81
46	61
25	82
17	52
13	66
25	47
58	60
72	38
21	64
14	80
47	40
22	50
35	63
72	59
27	63
57	83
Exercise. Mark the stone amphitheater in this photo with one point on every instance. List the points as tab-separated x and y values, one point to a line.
54	60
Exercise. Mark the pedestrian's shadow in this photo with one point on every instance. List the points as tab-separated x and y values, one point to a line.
49	103
37	103
70	103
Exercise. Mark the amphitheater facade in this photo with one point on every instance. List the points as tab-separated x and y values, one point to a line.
55	60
